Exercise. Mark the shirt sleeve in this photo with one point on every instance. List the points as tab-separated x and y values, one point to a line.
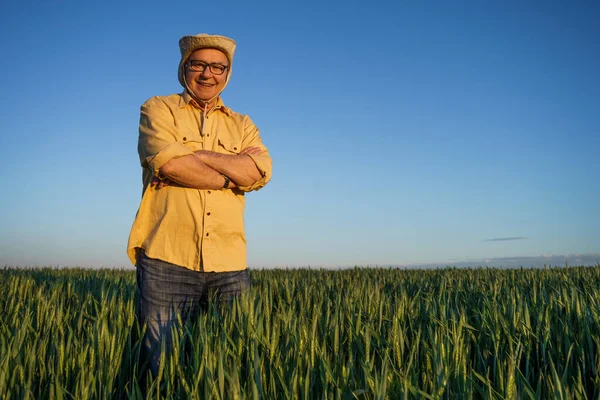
157	142
263	161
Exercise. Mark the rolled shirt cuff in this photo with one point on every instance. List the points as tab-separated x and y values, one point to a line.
264	165
173	150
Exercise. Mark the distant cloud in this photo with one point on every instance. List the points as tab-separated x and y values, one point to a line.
556	260
505	239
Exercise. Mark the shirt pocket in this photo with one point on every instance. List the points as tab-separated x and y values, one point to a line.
190	136
195	144
229	146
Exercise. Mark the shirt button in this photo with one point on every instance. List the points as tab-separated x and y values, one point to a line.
208	213
184	138
207	234
208	192
235	148
208	134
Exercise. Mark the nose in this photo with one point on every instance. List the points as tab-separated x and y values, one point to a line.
206	72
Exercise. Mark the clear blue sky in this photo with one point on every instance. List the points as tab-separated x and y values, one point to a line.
401	132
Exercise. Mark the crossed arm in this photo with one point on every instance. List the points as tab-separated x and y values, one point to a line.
205	169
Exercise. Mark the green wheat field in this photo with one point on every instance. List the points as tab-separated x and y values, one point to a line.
359	333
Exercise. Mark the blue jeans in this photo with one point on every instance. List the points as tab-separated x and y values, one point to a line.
166	291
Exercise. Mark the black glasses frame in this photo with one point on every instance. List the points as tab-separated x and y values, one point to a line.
200	66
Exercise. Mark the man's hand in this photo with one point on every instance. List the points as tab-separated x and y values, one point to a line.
255	150
205	154
159	183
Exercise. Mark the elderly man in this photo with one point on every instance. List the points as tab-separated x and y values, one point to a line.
199	158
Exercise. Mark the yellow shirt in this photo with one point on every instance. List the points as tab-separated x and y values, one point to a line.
202	230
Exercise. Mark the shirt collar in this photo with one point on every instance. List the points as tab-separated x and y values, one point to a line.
185	100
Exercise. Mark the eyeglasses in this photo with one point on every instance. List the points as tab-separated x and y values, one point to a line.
200	66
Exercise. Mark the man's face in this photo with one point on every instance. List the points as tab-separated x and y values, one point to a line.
205	84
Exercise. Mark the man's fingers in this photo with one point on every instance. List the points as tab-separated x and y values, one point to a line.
252	150
160	183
